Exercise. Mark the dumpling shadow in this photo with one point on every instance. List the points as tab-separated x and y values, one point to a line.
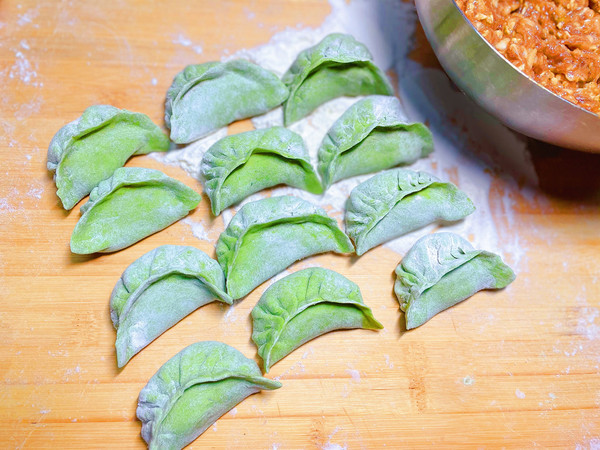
402	325
58	203
353	258
75	258
211	218
401	319
65	212
116	370
256	356
566	175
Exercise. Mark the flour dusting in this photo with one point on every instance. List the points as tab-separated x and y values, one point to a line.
355	374
75	371
183	40
35	192
6	206
331	446
230	316
23	70
27	18
297	367
388	361
386	28
586	325
198	229
190	156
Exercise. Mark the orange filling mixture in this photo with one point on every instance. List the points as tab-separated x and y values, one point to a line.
554	42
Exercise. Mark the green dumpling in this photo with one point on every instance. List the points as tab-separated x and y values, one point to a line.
129	206
398	201
267	236
193	389
303	306
242	164
208	96
372	135
158	290
441	270
337	66
88	150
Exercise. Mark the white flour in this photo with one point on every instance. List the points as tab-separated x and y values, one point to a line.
190	156
23	69
387	28
182	39
331	446
355	374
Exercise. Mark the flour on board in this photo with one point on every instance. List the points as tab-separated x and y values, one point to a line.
27	18
427	95
331	446
586	325
23	70
355	374
183	40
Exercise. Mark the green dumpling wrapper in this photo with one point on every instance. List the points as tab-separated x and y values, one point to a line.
441	270
129	206
337	66
158	290
303	306
398	201
372	135
242	164
192	390
205	97
88	150
267	236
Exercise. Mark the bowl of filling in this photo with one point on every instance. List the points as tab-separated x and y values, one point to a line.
533	64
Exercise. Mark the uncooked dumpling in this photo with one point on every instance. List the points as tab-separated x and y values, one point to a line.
206	97
158	290
268	235
304	305
242	164
193	389
441	270
129	206
87	151
337	66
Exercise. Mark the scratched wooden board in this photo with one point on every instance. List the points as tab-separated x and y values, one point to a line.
517	368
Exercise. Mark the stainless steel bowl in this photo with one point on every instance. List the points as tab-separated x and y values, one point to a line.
495	84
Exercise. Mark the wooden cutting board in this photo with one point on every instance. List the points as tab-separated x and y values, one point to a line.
518	368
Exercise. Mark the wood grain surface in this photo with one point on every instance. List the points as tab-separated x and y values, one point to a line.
517	368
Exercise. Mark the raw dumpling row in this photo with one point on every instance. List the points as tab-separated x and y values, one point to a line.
205	380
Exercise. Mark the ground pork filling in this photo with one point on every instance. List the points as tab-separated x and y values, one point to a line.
554	42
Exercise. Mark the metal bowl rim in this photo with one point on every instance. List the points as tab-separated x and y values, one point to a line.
470	24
